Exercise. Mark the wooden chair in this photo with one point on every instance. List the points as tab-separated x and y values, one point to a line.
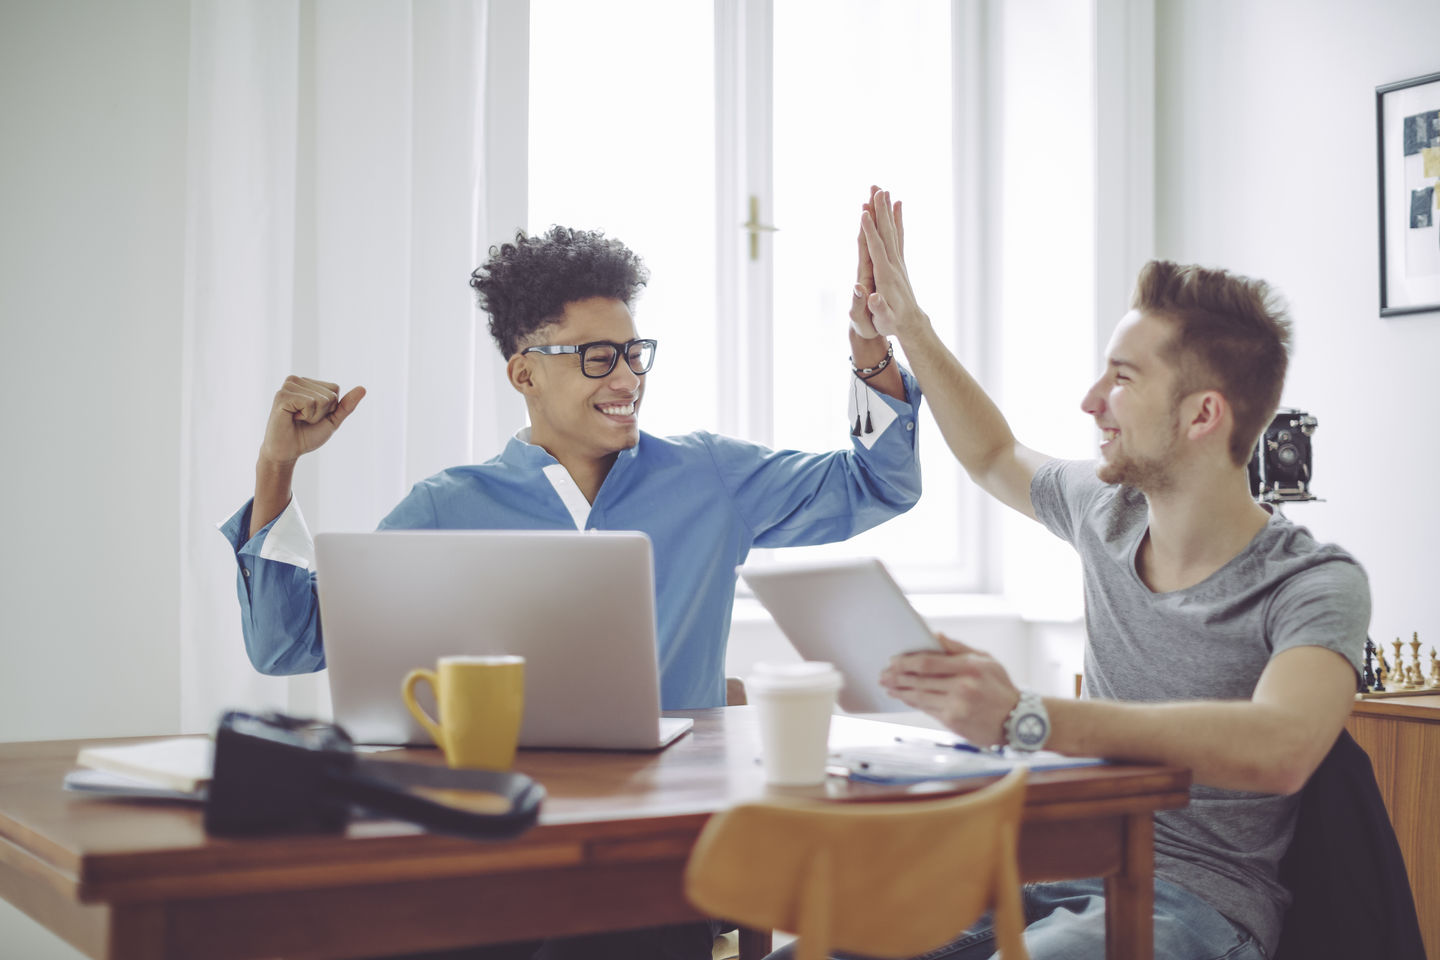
735	692
884	879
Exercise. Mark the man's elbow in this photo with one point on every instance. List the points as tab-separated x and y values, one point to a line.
268	663
897	493
1286	778
908	496
283	661
1283	769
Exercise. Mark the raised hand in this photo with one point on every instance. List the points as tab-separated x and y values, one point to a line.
304	415
892	304
860	320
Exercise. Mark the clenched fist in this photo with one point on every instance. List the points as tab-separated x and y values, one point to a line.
305	414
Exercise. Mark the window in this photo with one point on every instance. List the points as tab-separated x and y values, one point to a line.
625	106
839	127
622	139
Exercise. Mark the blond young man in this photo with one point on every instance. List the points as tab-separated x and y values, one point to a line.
1221	637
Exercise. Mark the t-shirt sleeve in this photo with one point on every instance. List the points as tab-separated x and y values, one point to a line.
1062	491
1326	606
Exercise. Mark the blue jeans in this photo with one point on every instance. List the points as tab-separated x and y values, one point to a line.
1066	921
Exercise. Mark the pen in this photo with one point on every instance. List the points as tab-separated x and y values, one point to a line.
967	747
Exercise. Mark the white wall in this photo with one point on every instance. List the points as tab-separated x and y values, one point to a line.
1265	163
92	174
92	181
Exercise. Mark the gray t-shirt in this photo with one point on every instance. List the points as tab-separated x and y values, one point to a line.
1209	641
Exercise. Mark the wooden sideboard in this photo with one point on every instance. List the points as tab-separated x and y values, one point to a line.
1402	737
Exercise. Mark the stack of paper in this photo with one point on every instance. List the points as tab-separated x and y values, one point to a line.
899	754
177	768
901	763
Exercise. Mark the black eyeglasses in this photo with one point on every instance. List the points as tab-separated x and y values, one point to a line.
598	357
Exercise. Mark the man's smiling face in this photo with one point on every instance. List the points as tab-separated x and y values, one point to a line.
575	415
1134	404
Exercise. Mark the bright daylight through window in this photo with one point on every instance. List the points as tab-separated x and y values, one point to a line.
623	103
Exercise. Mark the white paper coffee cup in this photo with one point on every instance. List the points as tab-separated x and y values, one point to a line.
794	701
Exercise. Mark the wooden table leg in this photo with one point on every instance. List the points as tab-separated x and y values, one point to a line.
1130	895
138	932
754	944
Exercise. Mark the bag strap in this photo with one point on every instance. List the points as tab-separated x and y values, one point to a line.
389	787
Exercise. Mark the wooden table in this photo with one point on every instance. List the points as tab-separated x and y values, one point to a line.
1402	737
131	880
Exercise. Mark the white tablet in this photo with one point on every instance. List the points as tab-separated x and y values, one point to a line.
849	612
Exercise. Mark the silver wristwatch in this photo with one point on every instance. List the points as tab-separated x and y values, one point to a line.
1028	726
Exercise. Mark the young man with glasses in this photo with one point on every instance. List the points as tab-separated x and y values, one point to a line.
559	307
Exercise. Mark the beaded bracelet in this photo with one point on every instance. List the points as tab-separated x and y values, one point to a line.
865	373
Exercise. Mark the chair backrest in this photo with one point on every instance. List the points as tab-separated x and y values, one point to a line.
884	879
1351	894
735	692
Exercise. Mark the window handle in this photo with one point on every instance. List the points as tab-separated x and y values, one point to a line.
755	227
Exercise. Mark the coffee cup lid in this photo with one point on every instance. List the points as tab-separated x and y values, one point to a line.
805	676
493	659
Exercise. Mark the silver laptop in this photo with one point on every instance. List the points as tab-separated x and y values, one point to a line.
579	607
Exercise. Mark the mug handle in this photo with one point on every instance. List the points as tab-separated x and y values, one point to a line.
407	690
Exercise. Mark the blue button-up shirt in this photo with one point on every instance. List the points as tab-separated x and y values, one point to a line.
703	499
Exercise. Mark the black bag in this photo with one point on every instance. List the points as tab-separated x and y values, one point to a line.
280	774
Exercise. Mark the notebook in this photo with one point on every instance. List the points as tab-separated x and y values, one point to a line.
848	612
579	607
174	768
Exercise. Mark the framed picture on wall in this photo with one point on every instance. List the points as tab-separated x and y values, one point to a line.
1407	115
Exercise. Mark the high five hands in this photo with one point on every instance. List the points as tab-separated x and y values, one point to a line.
890	300
964	688
860	317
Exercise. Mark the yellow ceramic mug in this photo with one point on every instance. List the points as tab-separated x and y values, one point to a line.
481	699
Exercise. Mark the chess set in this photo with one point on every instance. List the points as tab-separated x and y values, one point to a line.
1382	678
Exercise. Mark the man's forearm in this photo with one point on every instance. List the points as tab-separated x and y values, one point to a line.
973	427
272	493
1236	745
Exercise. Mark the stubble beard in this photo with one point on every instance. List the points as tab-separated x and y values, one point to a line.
1150	475
1147	474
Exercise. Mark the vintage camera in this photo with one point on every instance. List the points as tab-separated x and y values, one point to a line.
1281	467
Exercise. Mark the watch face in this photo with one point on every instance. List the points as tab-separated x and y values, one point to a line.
1031	729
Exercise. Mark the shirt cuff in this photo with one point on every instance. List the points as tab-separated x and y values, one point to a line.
289	539
869	413
286	539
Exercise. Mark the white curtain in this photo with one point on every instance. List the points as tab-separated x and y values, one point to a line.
349	164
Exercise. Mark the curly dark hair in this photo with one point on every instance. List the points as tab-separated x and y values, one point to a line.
525	285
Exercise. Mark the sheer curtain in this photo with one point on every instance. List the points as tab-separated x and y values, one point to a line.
348	165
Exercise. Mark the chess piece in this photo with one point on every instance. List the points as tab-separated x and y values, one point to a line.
1382	670
1367	676
1434	669
1415	658
1398	680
